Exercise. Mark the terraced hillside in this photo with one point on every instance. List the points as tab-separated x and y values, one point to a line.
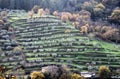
48	41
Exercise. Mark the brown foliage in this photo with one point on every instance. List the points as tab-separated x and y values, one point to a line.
98	28
35	8
75	24
74	17
104	72
84	29
84	12
30	13
37	75
115	15
64	18
65	76
41	12
69	15
18	48
55	13
100	5
109	33
105	29
76	76
67	31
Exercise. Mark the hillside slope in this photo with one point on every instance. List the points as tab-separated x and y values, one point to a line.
48	41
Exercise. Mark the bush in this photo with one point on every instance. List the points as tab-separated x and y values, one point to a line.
35	9
65	76
31	13
104	72
18	48
41	12
52	71
76	76
76	24
67	31
84	29
37	75
99	10
115	16
89	6
74	17
64	18
55	13
3	14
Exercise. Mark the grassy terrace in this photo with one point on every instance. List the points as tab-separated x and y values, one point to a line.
45	42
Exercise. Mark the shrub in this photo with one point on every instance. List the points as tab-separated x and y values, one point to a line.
65	76
76	24
76	76
55	13
84	17
52	71
13	77
98	29
89	5
104	72
84	29
99	10
64	18
18	48
100	5
109	33
47	11
35	9
41	12
67	31
69	15
115	16
105	29
3	14
74	17
30	13
37	75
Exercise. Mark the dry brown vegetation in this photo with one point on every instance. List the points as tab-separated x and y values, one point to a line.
82	21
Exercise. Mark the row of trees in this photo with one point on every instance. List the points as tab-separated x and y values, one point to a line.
58	72
54	72
71	5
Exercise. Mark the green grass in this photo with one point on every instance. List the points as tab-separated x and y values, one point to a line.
109	47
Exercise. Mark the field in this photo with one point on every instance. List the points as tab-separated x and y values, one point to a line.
48	41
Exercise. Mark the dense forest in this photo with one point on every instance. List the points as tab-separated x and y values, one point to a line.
97	11
61	5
